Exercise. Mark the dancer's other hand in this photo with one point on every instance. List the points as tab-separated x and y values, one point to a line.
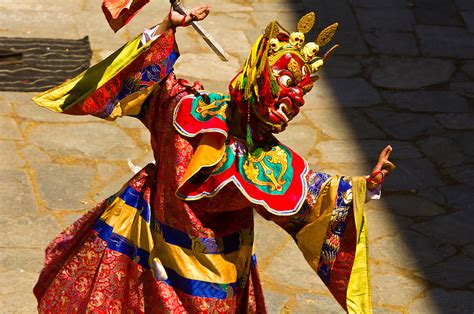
382	168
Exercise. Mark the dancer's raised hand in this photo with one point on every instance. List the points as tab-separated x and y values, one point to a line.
381	169
195	14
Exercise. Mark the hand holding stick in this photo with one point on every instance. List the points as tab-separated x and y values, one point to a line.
195	15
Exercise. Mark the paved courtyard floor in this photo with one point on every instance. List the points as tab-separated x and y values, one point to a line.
404	76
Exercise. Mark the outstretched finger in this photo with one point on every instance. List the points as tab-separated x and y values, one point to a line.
385	153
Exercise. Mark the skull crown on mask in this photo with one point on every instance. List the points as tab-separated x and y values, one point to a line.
280	69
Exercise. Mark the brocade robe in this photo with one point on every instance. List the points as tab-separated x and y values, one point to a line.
178	237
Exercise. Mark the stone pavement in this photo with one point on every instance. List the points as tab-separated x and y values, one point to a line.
404	75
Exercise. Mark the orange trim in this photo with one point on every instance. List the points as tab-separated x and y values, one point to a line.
208	153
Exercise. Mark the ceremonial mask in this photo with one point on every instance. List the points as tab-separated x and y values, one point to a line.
279	70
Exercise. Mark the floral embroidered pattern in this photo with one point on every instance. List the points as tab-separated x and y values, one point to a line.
268	168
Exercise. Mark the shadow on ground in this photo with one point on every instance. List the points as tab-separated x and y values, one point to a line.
404	76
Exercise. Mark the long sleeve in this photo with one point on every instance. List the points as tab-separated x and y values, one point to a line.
118	85
331	232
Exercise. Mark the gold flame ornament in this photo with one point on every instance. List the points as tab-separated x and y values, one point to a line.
296	43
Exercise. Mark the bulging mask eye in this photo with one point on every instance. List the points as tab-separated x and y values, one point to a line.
286	80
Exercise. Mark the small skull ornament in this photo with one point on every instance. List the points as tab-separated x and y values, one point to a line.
296	39
274	44
310	50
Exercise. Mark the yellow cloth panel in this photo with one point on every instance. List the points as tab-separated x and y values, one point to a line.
208	153
132	104
311	237
77	89
358	291
217	268
127	222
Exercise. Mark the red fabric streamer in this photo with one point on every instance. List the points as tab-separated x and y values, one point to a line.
119	12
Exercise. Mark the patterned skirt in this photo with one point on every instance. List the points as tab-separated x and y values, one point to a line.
118	259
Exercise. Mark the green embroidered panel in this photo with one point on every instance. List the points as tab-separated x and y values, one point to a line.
270	170
215	106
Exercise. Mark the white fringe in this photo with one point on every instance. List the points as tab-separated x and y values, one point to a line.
135	169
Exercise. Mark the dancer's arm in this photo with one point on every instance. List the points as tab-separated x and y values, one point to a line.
118	85
331	232
318	183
